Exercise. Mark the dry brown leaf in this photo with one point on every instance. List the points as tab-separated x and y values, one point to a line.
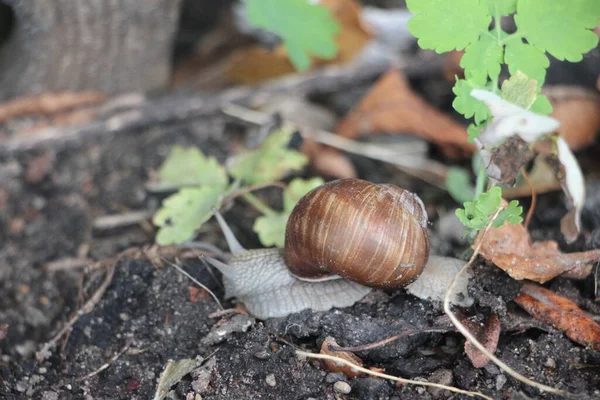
255	64
487	335
561	312
578	110
48	103
328	161
511	249
392	107
346	355
542	177
452	68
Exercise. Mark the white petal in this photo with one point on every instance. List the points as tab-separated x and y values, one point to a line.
573	182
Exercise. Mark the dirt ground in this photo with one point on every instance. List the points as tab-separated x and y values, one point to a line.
149	314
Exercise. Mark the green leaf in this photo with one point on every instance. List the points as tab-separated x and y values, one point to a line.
520	90
458	183
466	104
511	214
476	214
443	25
184	212
298	188
502	7
562	28
306	29
524	57
474	131
483	55
189	167
271	228
541	105
272	161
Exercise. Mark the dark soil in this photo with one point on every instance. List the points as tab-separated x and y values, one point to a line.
150	307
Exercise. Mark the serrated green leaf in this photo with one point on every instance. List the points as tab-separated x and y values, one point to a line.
271	229
541	105
298	188
474	131
443	25
502	7
520	90
458	183
524	57
183	213
272	161
189	167
306	29
483	55
489	201
466	104
511	214
562	28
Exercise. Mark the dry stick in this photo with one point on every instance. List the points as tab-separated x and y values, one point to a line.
383	342
533	197
106	364
462	329
87	307
416	167
191	278
390	377
251	188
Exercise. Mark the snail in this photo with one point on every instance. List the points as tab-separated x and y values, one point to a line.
342	239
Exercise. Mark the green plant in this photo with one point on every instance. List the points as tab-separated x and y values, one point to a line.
202	184
562	29
306	28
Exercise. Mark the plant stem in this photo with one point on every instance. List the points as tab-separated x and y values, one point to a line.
481	178
258	204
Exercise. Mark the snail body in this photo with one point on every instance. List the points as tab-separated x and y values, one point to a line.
363	236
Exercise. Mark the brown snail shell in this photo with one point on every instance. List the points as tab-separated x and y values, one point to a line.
372	234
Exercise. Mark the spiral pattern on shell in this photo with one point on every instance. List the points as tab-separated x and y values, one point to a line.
369	233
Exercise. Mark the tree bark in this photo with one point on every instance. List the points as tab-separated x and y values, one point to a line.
112	46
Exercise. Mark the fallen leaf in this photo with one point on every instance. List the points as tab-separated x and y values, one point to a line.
511	249
487	335
196	294
392	107
542	177
172	374
561	313
328	161
578	110
345	355
254	64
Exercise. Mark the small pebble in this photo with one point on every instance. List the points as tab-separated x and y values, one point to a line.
500	381
262	354
342	387
49	395
550	363
270	379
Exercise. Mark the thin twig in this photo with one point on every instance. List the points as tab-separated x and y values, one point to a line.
383	342
533	197
251	188
107	364
107	222
467	334
197	282
390	377
428	170
87	307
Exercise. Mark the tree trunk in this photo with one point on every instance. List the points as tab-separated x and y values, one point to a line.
108	45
